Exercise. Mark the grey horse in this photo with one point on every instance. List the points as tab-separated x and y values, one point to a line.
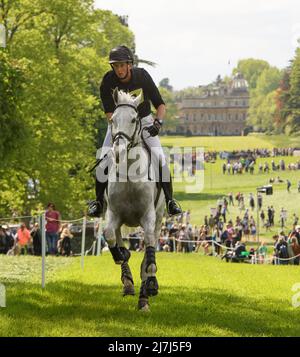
132	199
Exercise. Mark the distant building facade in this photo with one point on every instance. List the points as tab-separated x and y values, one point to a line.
222	110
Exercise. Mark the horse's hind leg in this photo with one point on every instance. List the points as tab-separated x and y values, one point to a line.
126	276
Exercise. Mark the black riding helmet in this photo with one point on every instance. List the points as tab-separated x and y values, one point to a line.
120	54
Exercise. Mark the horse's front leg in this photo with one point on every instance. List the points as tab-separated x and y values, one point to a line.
119	254
126	276
149	268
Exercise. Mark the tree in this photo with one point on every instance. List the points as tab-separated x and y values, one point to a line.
172	112
282	99
294	94
262	106
165	83
12	128
251	69
64	45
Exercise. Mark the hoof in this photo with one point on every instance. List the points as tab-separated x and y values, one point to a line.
143	305
151	286
128	290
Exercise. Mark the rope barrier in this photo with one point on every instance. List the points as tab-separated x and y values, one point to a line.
5	219
141	238
67	221
214	242
19	217
282	259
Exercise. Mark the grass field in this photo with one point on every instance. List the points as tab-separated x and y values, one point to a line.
231	143
199	296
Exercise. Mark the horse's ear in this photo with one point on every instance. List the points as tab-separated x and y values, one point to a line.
116	95
138	99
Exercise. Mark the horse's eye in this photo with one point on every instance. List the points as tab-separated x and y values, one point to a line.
133	120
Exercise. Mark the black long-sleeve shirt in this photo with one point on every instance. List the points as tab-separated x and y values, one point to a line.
140	81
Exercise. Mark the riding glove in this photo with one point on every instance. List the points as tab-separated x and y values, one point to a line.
155	127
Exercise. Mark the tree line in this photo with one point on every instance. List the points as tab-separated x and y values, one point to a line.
51	119
274	106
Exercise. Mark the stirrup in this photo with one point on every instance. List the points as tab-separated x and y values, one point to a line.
168	208
95	209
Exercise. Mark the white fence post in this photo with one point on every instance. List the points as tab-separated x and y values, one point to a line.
43	229
83	242
94	248
2	295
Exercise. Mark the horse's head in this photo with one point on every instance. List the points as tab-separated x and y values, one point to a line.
125	122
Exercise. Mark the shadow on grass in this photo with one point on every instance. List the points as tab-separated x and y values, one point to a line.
100	310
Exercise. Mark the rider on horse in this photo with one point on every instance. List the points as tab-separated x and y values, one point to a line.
132	79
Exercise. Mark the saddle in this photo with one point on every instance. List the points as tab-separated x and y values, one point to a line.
158	183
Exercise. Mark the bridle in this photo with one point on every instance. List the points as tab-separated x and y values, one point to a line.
121	134
137	129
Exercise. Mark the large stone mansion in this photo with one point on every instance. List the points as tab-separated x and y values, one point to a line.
222	110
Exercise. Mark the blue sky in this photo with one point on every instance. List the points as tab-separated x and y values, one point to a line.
192	41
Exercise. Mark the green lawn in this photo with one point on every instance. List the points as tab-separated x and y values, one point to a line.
230	143
199	296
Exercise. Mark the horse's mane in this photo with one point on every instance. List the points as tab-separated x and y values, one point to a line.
125	98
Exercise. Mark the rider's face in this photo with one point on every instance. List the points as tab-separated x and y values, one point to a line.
122	70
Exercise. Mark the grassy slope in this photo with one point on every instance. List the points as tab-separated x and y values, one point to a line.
217	185
199	296
232	142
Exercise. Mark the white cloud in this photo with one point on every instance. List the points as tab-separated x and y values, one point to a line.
193	40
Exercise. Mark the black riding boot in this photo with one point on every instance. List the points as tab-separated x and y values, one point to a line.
172	207
95	208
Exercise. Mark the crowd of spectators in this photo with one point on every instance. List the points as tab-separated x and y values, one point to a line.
228	238
18	239
218	235
244	165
